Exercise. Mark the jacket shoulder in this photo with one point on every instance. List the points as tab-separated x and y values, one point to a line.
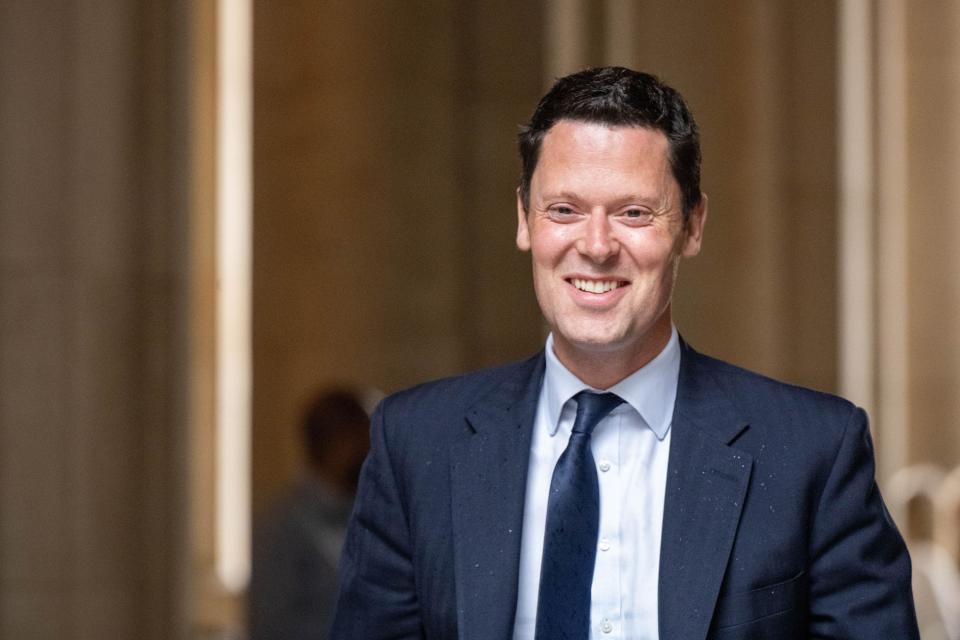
454	395
753	392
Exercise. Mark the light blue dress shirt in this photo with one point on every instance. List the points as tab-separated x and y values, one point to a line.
631	447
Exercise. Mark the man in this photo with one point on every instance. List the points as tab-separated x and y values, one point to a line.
683	499
297	542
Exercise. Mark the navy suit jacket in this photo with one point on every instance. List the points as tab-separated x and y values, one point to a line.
773	526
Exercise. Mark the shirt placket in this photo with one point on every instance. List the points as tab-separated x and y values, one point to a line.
606	618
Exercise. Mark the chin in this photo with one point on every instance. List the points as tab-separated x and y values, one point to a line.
596	342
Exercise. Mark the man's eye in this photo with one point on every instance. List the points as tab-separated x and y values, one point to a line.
639	215
561	212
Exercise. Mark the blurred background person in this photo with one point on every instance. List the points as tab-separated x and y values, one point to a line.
297	541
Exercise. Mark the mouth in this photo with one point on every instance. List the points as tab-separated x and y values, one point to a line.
596	286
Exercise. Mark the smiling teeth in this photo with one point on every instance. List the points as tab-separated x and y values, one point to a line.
595	286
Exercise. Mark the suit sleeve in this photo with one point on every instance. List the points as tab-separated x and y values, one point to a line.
859	567
377	597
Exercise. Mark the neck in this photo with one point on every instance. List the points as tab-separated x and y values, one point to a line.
601	369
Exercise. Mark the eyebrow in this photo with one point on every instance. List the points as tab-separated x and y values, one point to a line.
619	201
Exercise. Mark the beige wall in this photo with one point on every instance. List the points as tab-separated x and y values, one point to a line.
932	220
92	320
384	207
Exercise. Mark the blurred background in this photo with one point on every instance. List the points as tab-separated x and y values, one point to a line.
209	210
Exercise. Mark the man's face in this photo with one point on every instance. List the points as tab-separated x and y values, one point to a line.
606	233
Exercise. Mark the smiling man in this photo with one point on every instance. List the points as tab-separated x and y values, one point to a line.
618	484
607	225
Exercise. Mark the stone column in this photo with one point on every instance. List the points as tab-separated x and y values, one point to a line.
92	319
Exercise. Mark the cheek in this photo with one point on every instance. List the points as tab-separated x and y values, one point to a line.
661	251
655	258
549	239
547	250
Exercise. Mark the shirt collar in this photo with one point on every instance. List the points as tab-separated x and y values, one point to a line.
651	390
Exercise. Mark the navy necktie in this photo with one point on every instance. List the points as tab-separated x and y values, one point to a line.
570	537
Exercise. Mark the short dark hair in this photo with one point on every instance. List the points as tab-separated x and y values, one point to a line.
616	96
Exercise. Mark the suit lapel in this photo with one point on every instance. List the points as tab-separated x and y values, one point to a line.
489	464
706	486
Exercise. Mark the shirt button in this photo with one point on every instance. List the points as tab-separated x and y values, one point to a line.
604	465
605	626
604	544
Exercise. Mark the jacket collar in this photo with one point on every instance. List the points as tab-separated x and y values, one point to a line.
489	462
707	480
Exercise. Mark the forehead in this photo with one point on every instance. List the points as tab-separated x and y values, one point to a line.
588	151
590	141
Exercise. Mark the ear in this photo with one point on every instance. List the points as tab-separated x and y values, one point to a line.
694	230
523	231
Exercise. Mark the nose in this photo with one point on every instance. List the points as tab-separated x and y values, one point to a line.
597	241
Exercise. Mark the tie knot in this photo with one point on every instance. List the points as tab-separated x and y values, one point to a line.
591	409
